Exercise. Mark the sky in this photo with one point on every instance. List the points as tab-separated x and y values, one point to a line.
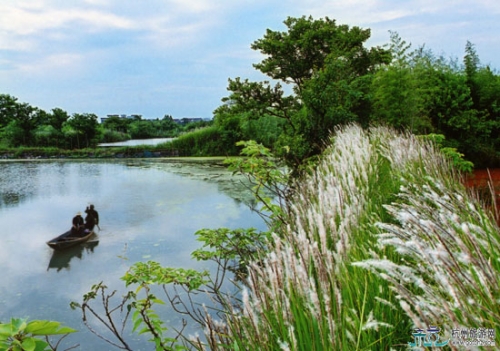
174	57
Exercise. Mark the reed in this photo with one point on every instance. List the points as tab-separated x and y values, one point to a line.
380	239
449	244
200	142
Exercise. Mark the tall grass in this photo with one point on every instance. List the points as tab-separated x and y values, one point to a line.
200	142
449	244
380	239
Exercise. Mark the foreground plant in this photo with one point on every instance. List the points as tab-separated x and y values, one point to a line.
447	272
21	335
141	305
270	179
180	289
302	294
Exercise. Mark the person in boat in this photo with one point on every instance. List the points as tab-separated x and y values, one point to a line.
78	225
92	218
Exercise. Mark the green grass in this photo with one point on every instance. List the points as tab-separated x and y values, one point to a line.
206	141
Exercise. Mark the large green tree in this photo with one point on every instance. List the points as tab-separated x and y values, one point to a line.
81	130
394	93
8	106
327	68
23	124
49	131
18	121
117	124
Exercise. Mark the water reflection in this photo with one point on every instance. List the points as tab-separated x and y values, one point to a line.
61	258
59	178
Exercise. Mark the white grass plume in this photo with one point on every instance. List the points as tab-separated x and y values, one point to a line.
447	240
439	249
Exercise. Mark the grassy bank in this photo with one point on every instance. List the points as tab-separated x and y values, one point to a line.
203	142
381	239
163	150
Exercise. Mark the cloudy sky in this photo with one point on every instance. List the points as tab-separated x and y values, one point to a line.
157	57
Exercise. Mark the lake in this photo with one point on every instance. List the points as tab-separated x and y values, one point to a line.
149	210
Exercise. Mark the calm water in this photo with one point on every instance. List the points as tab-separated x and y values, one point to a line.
149	210
136	142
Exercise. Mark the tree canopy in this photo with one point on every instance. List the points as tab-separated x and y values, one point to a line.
329	70
321	76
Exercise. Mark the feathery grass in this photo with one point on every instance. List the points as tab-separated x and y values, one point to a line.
380	239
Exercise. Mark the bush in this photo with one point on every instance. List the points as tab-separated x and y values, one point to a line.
203	142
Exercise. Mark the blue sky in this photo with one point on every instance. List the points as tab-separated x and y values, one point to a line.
157	57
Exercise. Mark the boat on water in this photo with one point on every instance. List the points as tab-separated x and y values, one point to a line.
67	240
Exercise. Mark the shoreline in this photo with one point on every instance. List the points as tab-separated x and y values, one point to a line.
160	158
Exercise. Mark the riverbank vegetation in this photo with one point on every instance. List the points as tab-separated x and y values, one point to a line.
332	79
380	239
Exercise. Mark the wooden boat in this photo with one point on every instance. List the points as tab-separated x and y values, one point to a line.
67	240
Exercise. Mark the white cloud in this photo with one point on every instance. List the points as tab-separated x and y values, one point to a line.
166	31
25	25
18	20
98	2
370	12
196	6
353	12
493	6
56	65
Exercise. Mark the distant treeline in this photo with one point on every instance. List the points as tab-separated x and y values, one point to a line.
332	79
24	125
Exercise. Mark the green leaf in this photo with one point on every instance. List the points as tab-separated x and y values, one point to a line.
144	330
5	331
41	327
18	324
40	345
137	323
28	344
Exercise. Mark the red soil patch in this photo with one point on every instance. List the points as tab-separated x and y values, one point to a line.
479	180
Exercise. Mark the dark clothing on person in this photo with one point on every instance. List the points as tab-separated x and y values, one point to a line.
92	218
77	228
77	221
